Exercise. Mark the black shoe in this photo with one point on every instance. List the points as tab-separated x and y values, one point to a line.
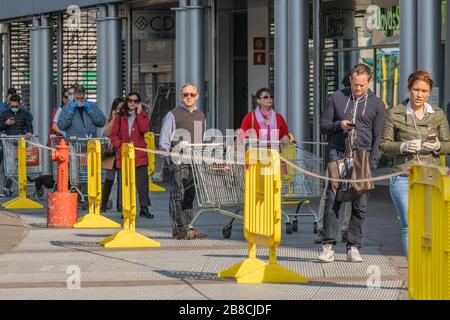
145	213
319	237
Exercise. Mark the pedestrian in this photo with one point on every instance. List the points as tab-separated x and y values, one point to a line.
182	121
109	159
264	123
358	111
67	98
347	207
81	118
415	132
14	121
130	126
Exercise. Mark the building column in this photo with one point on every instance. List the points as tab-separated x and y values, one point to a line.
41	68
195	67
181	54
101	59
281	57
429	54
114	57
298	62
447	57
109	57
408	44
318	71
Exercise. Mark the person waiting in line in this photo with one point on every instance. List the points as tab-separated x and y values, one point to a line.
67	98
264	123
357	111
81	118
13	122
347	207
109	161
415	132
130	126
177	124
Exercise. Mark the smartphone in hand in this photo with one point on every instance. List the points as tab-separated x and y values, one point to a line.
432	138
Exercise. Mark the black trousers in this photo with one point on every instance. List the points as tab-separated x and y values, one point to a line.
182	195
141	185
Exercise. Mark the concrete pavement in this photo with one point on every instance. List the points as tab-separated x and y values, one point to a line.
41	263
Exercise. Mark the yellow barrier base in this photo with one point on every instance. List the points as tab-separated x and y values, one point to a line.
129	239
155	188
22	203
96	221
253	271
272	273
242	268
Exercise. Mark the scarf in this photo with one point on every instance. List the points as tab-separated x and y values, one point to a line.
267	124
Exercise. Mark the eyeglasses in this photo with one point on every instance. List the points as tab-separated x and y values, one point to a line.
192	95
133	101
266	97
66	97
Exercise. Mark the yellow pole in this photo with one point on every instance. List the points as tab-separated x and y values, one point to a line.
94	220
151	145
128	237
22	202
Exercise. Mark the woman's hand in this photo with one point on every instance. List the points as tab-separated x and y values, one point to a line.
285	140
433	146
139	108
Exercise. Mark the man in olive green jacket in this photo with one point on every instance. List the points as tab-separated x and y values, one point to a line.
400	127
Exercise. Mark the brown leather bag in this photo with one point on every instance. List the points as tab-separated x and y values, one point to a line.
355	166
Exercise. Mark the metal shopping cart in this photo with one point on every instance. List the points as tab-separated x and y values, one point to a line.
34	163
298	188
78	174
219	181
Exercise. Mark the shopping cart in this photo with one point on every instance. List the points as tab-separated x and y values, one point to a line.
78	174
219	181
34	163
298	188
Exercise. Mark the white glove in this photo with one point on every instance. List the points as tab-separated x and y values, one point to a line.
433	146
410	146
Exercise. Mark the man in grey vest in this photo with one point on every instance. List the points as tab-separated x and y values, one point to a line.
184	124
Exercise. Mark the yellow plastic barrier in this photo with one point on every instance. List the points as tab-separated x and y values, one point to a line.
22	202
429	230
94	220
128	237
262	222
150	140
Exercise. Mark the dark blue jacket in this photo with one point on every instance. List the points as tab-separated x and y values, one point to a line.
370	116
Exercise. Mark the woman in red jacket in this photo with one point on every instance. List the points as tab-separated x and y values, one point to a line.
264	123
130	126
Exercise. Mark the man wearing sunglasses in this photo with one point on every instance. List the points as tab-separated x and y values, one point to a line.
185	124
81	118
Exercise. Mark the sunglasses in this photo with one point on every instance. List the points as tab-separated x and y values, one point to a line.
133	101
266	97
192	95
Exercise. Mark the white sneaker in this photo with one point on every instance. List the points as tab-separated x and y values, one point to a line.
327	254
353	255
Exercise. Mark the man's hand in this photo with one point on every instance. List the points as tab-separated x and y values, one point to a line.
88	106
73	106
346	125
29	134
10	122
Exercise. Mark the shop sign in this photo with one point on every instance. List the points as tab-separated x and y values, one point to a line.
385	19
388	19
153	25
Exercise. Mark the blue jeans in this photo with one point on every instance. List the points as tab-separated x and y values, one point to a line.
399	195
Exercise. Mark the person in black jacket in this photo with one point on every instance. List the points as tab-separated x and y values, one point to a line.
358	110
14	121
